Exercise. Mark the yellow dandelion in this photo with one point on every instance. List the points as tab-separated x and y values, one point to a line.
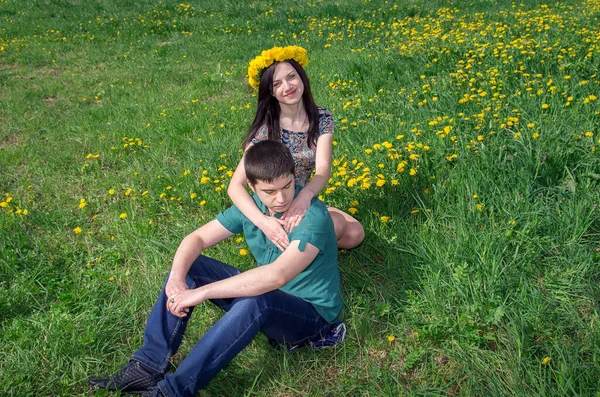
77	230
193	195
82	203
123	215
385	219
202	202
546	360
545	106
413	171
391	338
352	210
111	191
243	252
4	204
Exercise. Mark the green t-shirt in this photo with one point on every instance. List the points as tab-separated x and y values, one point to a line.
319	283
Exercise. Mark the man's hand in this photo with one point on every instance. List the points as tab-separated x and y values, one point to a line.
179	304
175	285
273	229
294	215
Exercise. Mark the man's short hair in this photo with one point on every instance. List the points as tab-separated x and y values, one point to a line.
267	161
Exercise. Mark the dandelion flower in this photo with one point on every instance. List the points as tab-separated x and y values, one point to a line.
77	230
111	191
4	204
243	252
123	215
545	106
385	219
391	338
546	360
352	210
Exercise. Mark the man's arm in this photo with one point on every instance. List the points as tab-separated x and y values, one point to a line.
189	250
253	282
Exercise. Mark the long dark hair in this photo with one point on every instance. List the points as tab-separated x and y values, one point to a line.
267	108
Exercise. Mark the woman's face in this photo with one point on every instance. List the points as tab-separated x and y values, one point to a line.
287	85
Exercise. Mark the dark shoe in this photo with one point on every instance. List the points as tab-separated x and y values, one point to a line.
334	337
154	392
131	378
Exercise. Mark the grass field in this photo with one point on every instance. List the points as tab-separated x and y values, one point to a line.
466	142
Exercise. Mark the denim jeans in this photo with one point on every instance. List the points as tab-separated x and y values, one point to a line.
283	317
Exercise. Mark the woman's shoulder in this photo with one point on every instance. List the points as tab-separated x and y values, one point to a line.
324	112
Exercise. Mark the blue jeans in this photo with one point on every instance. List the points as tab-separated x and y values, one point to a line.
283	317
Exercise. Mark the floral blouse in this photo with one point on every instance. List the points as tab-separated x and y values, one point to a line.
304	156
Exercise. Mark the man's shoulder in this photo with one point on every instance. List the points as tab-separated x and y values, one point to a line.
232	219
317	214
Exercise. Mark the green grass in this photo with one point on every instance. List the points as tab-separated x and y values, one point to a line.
481	255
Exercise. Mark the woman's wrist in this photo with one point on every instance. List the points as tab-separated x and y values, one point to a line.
306	192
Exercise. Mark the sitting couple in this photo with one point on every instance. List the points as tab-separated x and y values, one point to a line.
293	296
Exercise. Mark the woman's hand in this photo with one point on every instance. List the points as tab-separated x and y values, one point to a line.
294	215
179	304
273	229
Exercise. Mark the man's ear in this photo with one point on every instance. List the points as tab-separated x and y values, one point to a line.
250	185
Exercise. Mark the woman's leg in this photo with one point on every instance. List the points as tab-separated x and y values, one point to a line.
348	230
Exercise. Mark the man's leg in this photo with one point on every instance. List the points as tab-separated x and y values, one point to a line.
163	334
164	331
281	316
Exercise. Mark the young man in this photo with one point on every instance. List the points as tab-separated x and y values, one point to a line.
293	296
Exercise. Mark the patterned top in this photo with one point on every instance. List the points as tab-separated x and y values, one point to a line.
304	156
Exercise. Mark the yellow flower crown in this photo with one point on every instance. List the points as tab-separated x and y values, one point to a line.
269	57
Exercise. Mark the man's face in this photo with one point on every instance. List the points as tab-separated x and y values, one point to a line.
277	195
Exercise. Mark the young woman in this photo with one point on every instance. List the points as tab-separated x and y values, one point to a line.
286	112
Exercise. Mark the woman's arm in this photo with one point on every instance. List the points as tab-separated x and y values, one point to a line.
270	226
323	155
